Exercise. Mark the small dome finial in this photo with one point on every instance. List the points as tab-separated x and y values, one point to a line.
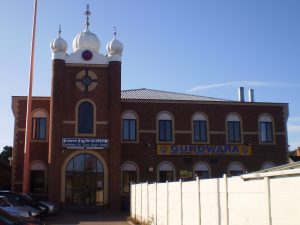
115	31
87	14
59	44
59	30
114	48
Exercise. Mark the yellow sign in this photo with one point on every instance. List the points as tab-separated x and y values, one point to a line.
204	150
185	174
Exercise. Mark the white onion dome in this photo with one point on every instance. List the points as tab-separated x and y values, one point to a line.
59	44
114	46
86	40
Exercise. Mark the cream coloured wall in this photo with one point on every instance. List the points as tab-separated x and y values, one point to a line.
268	200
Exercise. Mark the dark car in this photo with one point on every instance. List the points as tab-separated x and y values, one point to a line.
52	207
8	219
19	199
18	210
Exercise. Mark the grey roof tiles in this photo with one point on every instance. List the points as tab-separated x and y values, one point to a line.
150	94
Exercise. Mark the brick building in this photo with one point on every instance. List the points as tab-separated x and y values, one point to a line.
90	139
5	175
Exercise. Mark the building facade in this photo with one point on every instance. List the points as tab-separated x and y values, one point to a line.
5	175
90	139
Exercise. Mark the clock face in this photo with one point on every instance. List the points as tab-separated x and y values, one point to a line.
87	55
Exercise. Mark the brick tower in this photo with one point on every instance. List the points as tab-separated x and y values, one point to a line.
84	137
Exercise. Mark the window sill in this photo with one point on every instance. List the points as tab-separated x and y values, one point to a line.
165	142
200	142
130	142
37	141
267	143
234	143
84	135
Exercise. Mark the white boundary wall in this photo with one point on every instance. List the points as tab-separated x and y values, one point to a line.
225	201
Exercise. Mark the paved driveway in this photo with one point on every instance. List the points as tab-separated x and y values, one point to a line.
95	218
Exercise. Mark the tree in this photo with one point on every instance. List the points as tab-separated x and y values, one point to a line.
6	153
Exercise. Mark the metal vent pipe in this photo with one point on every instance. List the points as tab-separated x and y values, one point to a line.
251	95
241	94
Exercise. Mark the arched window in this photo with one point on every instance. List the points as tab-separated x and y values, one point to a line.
267	165
233	128
165	128
235	169
38	178
129	175
129	127
266	134
201	170
199	128
85	118
39	125
166	172
84	184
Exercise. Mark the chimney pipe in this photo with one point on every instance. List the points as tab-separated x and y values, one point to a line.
251	95
241	94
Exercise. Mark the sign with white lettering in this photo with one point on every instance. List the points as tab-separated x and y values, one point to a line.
84	143
204	150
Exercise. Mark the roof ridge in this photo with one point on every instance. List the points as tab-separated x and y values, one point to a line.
135	89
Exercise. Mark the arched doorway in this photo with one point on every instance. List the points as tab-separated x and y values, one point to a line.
38	178
84	180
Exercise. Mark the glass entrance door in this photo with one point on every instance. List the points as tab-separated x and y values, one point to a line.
84	181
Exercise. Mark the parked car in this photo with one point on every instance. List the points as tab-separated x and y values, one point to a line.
8	219
8	206
19	199
52	207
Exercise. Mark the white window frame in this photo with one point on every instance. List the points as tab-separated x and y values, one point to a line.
168	117
269	119
203	167
129	166
36	114
130	115
166	166
234	117
233	165
267	165
199	116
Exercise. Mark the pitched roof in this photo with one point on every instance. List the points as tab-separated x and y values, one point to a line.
150	94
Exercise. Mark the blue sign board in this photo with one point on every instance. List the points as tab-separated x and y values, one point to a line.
85	143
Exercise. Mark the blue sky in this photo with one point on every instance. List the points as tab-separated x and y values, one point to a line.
199	47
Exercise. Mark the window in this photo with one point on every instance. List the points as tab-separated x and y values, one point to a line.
39	125
85	118
129	175
266	129
129	127
166	172
233	129
37	178
84	180
201	170
267	165
199	128
235	169
165	127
